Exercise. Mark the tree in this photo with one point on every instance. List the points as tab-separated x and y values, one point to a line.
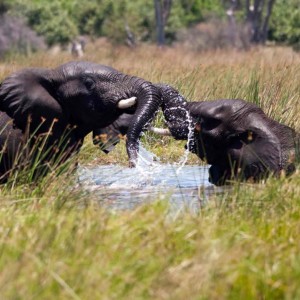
258	16
50	19
285	23
162	13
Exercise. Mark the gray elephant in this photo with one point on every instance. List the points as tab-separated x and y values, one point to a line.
234	136
67	103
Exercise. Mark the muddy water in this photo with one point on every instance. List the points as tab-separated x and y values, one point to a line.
119	187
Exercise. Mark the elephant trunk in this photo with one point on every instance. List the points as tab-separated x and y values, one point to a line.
176	113
148	103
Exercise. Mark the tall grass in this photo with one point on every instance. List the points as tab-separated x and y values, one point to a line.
57	242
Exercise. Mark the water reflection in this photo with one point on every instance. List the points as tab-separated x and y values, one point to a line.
123	188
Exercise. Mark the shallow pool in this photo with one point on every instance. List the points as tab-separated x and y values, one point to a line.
119	187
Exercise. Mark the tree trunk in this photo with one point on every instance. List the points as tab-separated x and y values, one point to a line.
232	23
160	28
248	11
259	20
265	27
162	12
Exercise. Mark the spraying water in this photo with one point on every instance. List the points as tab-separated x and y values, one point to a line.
178	119
120	187
124	188
184	158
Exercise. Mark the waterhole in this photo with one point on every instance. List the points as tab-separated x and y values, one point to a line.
119	187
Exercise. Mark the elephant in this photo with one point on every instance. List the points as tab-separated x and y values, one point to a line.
11	143
234	136
66	103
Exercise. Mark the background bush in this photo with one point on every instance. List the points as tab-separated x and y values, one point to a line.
60	21
15	35
285	22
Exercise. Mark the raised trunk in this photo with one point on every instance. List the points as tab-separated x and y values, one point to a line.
148	103
176	113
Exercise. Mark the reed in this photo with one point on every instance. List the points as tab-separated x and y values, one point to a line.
58	242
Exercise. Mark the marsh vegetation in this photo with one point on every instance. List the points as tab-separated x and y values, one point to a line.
58	242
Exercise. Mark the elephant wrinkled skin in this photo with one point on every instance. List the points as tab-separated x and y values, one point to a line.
69	102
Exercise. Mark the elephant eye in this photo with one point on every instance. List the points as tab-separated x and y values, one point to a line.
89	83
238	139
209	124
247	137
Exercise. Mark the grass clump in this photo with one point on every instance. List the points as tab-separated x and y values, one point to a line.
242	244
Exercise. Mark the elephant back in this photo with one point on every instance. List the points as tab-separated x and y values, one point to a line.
74	68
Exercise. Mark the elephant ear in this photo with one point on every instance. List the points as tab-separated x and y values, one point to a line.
25	98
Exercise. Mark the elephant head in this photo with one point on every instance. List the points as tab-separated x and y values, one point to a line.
234	136
80	95
240	141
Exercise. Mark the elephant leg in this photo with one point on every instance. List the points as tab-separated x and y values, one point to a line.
11	146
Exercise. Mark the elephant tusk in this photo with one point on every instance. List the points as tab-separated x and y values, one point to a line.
160	131
126	103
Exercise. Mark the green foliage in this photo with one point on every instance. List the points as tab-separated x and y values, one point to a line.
285	22
89	18
198	10
50	19
59	21
137	16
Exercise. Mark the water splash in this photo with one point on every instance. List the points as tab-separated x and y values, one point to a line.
185	156
124	188
177	117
